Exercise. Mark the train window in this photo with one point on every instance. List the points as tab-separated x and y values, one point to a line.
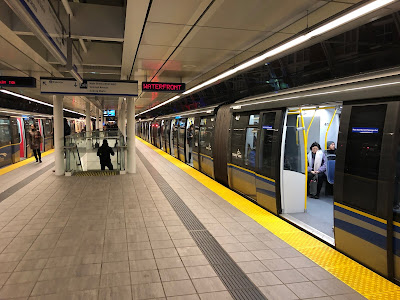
238	139
5	135
250	148
254	119
267	137
363	152
206	136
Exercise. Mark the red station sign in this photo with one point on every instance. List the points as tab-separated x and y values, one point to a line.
12	81
163	87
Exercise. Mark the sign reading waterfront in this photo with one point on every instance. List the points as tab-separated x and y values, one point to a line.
63	86
163	87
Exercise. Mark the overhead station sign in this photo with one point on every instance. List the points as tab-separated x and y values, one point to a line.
65	86
13	81
163	87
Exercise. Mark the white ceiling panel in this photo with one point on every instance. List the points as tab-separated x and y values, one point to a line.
161	34
224	39
174	11
259	15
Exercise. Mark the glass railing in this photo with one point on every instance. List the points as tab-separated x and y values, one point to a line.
95	150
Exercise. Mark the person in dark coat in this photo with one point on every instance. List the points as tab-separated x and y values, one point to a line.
104	153
35	138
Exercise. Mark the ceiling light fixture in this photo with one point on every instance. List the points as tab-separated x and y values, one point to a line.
351	16
37	101
157	106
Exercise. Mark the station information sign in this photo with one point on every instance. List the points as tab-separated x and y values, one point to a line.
163	87
13	81
66	86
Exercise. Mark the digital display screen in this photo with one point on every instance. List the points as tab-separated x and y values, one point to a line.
109	113
163	87
13	81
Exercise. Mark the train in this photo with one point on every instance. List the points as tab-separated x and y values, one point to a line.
14	134
259	147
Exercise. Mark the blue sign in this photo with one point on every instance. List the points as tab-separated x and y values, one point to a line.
267	127
109	113
365	130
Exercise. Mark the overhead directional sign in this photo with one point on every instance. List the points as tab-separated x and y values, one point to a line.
13	81
65	86
163	87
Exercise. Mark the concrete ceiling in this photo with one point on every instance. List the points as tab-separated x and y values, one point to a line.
157	40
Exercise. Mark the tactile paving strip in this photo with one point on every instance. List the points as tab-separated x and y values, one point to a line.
363	280
235	280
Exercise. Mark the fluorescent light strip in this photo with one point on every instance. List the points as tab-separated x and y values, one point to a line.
351	16
159	105
37	101
326	93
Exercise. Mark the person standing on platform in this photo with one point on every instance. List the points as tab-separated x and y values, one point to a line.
104	153
35	138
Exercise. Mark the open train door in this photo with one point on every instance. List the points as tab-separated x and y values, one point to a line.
367	189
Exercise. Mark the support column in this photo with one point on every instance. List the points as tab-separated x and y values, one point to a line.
131	139
123	118
97	119
88	127
58	134
101	119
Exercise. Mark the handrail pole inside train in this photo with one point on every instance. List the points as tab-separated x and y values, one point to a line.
329	127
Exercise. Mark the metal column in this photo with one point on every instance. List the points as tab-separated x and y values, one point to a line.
123	118
131	139
97	119
88	125
101	120
58	134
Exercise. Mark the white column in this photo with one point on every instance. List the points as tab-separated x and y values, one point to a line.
131	159
101	120
88	127
58	134
123	118
97	119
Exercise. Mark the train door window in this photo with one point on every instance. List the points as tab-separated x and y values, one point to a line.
206	145
311	209
238	139
243	153
182	140
267	161
363	151
189	141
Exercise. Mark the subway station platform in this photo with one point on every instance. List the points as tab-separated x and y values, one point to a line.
159	234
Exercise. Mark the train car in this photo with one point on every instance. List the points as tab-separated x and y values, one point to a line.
261	148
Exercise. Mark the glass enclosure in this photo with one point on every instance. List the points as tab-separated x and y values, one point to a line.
83	151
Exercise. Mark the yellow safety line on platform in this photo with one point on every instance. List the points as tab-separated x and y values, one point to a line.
363	280
22	163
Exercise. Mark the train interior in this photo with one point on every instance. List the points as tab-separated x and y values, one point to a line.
300	204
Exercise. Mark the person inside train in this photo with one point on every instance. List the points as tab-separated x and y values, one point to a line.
330	147
35	138
104	153
316	166
190	141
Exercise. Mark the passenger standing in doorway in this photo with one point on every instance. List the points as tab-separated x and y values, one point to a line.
316	166
104	153
35	138
190	141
